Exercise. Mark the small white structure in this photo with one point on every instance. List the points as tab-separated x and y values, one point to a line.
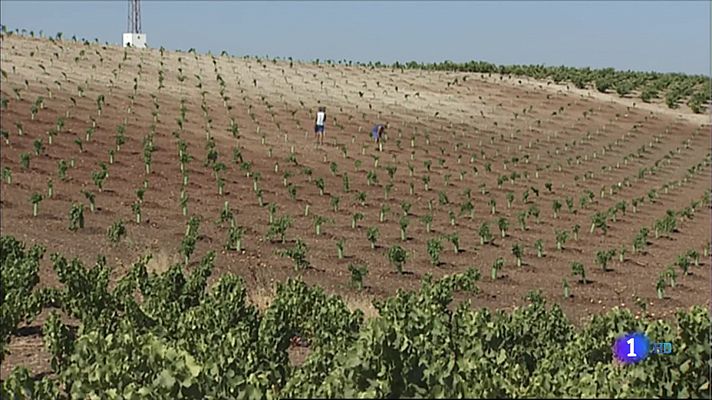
137	40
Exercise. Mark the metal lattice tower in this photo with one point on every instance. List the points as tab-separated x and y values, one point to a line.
134	25
133	37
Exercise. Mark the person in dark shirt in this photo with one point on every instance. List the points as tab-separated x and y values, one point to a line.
377	132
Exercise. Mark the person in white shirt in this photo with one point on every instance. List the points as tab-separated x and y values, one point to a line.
319	126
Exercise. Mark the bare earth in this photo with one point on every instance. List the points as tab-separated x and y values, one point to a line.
482	116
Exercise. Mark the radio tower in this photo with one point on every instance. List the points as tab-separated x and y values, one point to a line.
134	16
134	37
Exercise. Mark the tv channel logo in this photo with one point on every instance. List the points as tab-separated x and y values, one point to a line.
635	347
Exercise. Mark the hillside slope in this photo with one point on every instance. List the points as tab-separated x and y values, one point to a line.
458	131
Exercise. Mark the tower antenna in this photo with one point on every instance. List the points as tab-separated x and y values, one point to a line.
134	16
133	36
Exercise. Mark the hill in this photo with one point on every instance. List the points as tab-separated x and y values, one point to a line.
110	124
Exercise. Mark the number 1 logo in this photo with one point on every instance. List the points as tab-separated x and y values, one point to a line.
631	348
631	343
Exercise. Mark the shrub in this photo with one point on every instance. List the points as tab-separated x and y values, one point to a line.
7	175
340	248
298	254
434	249
522	219
405	206
684	263
278	228
397	256
510	199
427	219
503	225
116	231
361	198
556	206
35	199
355	218
539	246
442	198
578	269
518	252
467	208
372	236
76	217
136	208
603	257
382	214
358	272
561	237
534	211
404	222
496	267
695	256
235	235
598	220
660	286
485	234
25	160
640	241
318	222
320	185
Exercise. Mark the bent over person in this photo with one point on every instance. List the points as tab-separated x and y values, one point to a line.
319	125
377	132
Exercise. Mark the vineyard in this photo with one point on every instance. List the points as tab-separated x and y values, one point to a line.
695	91
506	229
182	341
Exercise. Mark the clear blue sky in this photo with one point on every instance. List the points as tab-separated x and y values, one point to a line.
655	35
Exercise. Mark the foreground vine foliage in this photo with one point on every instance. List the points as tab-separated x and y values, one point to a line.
182	340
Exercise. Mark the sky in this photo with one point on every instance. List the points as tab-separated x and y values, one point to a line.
637	35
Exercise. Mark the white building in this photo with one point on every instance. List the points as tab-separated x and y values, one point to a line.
137	40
